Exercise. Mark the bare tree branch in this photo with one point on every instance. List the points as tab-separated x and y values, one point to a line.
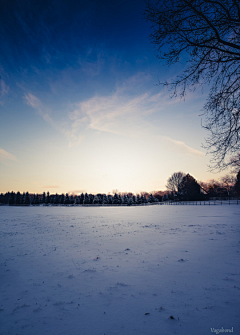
207	34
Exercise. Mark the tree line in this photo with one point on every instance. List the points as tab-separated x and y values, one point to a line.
180	187
12	198
183	186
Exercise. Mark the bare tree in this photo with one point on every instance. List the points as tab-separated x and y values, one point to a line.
174	181
205	33
228	181
235	163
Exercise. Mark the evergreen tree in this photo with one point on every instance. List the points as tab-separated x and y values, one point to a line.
7	198
27	199
77	200
86	199
71	200
110	199
37	202
189	189
116	199
130	201
95	200
143	199
62	199
139	201
52	196
18	198
12	199
43	197
67	201
105	199
33	198
120	199
100	198
47	201
91	196
125	199
151	198
56	199
81	199
165	197
4	198
23	198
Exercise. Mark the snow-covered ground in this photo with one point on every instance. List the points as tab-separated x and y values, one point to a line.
150	270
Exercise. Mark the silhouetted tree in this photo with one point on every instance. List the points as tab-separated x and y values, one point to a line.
105	199
130	201
47	201
37	202
95	200
56	199
207	34
62	199
77	200
12	199
151	198
27	199
189	189
174	181
116	199
86	199
66	201
143	199
158	195
139	201
110	199
22	198
71	200
235	163
18	198
237	185
81	199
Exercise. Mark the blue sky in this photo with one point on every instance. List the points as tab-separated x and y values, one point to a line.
80	106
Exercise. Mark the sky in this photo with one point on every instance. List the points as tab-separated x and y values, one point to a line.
80	105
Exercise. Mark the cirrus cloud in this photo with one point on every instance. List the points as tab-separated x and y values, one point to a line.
6	156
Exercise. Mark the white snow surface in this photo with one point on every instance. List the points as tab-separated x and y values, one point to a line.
98	270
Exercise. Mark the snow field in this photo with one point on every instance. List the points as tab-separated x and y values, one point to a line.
101	270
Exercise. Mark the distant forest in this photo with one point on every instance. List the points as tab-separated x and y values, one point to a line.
83	199
180	187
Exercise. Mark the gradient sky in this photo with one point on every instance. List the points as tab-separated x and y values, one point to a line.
80	108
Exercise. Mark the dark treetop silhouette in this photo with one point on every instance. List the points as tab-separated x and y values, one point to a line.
207	33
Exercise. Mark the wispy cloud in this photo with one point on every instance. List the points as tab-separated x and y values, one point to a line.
33	101
4	90
6	156
48	186
125	112
184	147
43	111
113	112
